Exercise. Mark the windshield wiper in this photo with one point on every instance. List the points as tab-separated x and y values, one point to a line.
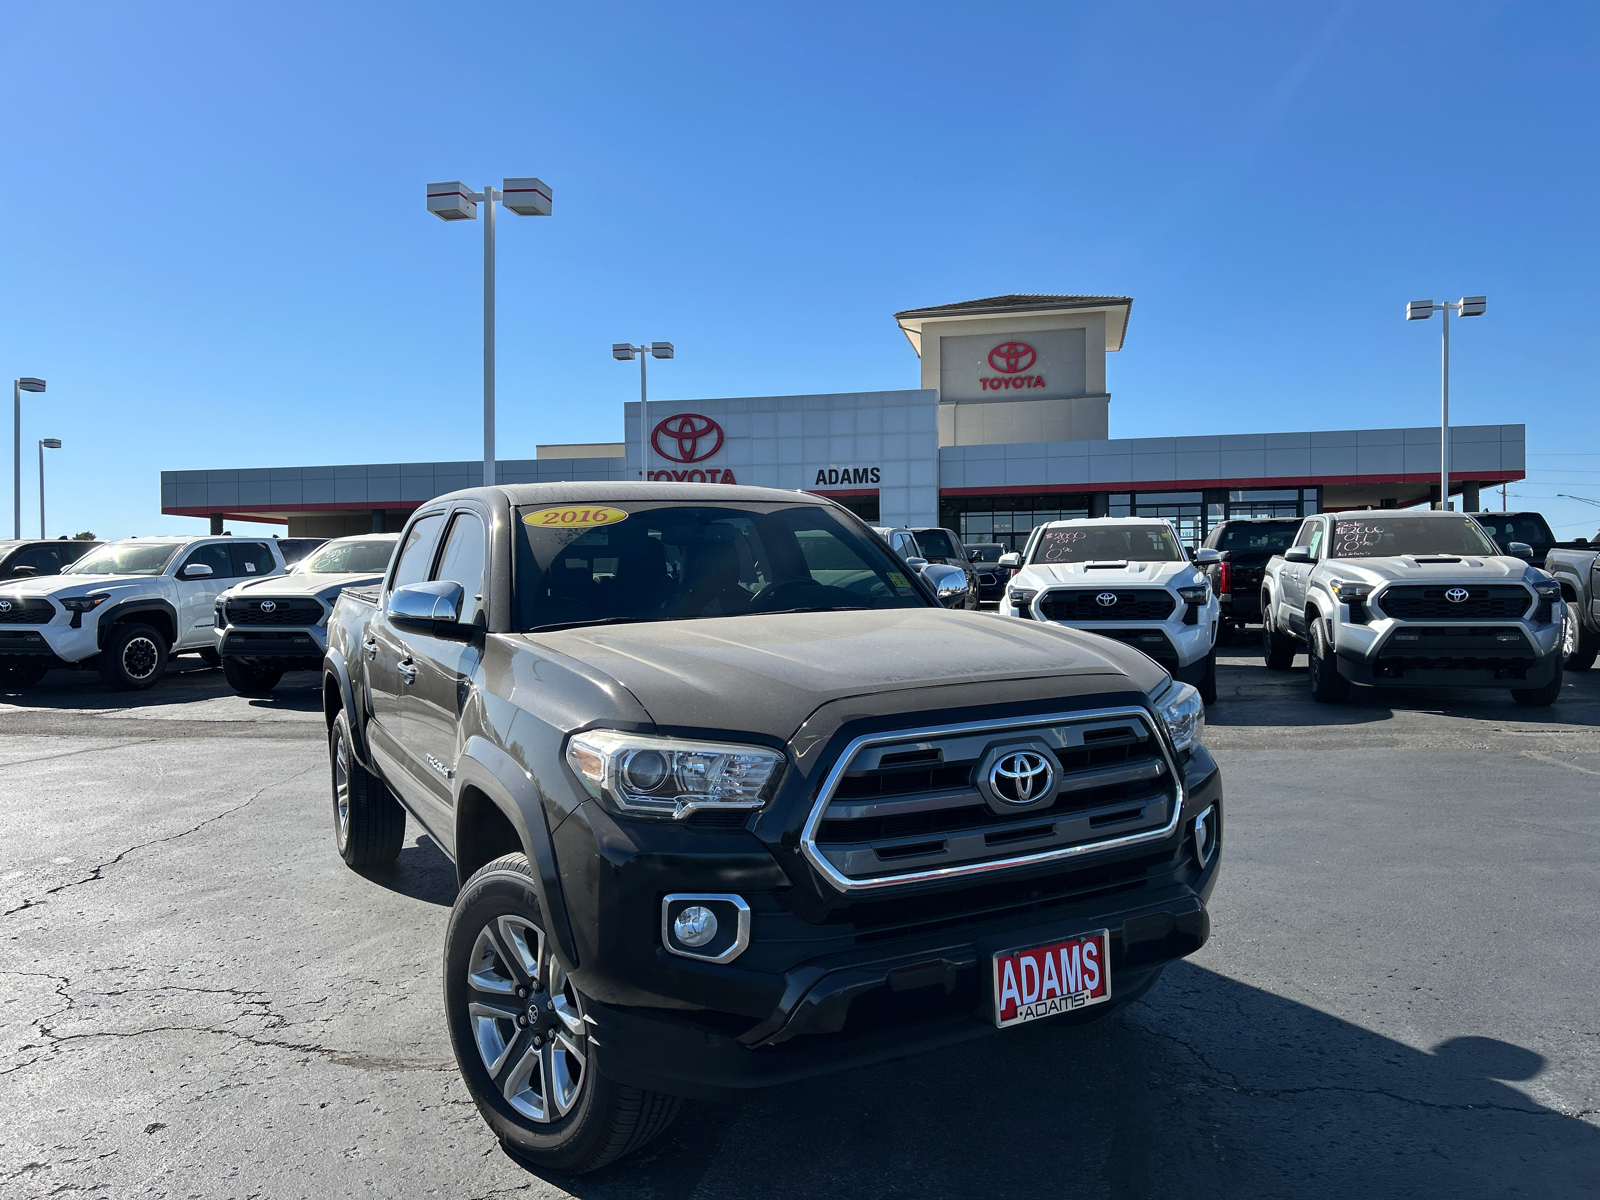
814	608
594	621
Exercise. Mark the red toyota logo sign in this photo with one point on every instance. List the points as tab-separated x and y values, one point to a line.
1010	357
687	438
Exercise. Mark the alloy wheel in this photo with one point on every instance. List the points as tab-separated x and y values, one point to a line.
1569	637
527	1019
139	658
341	790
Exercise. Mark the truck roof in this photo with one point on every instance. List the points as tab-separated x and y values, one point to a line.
598	492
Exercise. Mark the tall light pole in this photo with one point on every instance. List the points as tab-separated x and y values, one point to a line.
454	201
26	384
1421	310
44	444
623	352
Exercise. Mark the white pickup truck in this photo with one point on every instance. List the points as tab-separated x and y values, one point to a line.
1412	599
125	607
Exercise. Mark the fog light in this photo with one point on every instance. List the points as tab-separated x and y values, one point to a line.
713	927
1205	835
695	925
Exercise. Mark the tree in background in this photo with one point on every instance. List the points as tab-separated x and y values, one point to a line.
85	536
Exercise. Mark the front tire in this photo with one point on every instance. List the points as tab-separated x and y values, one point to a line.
133	659
521	1042
369	824
1540	697
1208	682
249	679
1583	645
1327	685
1277	648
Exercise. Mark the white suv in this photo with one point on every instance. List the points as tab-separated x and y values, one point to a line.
1124	578
127	607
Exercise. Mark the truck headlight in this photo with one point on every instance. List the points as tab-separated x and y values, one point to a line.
1196	594
671	777
1547	589
1183	713
83	604
1022	600
1347	591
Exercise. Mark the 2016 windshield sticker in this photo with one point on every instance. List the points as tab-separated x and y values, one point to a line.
574	516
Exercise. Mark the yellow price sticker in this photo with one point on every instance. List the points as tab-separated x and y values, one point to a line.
901	583
574	516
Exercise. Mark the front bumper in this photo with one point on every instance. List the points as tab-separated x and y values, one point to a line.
809	998
1437	653
293	642
57	639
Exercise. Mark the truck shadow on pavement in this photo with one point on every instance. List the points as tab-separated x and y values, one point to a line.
1206	1088
422	872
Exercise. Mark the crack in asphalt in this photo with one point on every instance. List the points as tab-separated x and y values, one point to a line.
95	872
1222	1076
18	762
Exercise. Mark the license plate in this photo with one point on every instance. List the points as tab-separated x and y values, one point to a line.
1058	977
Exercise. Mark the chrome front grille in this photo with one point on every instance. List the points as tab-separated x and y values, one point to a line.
908	806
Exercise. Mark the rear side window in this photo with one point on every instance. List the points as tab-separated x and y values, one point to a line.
936	543
252	558
45	560
463	562
416	555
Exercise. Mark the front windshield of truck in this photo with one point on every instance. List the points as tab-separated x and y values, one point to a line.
584	564
1275	537
1107	543
1506	528
936	543
349	558
1371	536
125	558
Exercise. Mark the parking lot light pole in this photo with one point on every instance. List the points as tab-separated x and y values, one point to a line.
44	444
26	384
1421	310
623	352
454	201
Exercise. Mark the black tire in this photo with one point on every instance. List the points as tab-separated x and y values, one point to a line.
211	657
496	961
369	824
1225	632
1540	697
18	678
1583	644
1207	686
1277	648
1322	668
134	657
250	679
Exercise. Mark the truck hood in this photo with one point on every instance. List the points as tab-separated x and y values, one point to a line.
1408	569
303	585
767	674
1134	574
52	586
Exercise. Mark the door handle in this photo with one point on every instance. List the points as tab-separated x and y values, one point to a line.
370	645
408	672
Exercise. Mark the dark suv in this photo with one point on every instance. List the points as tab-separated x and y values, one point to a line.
992	577
25	559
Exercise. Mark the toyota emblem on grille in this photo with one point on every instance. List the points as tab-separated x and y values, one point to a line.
1021	777
5	606
269	606
1456	595
1106	599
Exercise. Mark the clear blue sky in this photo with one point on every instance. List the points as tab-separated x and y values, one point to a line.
216	251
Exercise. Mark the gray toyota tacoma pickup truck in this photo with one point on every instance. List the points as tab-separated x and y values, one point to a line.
1412	599
733	800
1577	570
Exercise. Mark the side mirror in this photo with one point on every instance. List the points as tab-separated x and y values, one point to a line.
1520	550
1204	558
431	608
1012	560
22	572
196	571
916	564
1297	554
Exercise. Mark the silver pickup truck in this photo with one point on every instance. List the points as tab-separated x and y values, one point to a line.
1578	572
1412	599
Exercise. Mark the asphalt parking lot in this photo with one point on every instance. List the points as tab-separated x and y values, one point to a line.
1399	998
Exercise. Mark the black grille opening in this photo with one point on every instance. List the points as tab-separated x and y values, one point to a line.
913	851
1131	604
33	611
909	757
282	612
1018	835
945	777
1432	602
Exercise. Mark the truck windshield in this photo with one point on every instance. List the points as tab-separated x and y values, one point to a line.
1506	528
936	543
1371	536
593	564
1274	536
125	558
348	558
1107	543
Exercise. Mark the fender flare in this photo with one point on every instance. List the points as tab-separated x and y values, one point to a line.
333	664
132	608
492	771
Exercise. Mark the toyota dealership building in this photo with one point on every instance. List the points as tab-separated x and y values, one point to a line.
1009	427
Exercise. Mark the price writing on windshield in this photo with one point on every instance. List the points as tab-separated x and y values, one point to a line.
1352	537
1059	545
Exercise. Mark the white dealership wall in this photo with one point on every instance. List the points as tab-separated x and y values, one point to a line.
792	442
